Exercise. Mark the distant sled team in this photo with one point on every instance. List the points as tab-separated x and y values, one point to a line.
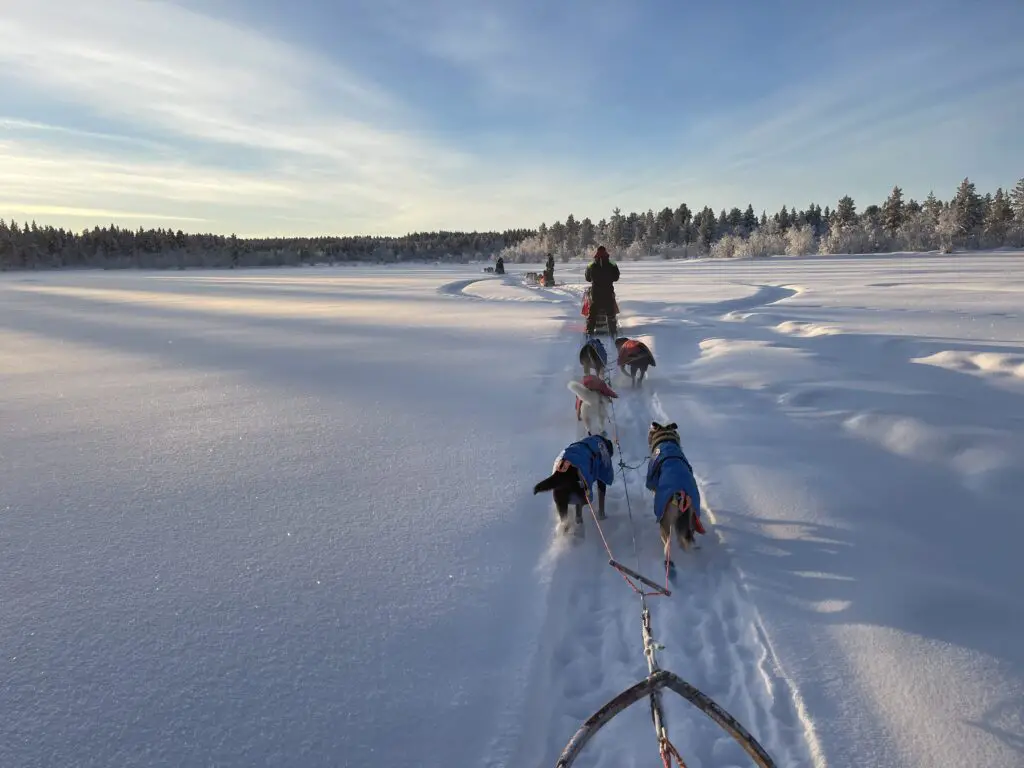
586	464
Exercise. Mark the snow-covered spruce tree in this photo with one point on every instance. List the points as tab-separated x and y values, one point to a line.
846	211
970	214
998	220
1017	201
749	220
893	212
947	229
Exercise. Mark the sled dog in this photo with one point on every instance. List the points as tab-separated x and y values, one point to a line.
577	469
676	496
593	357
592	397
637	356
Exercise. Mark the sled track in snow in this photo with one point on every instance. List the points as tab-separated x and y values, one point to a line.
591	647
559	294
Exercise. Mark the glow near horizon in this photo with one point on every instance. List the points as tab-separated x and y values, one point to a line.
383	117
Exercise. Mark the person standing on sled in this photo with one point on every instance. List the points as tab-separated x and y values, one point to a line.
549	271
602	273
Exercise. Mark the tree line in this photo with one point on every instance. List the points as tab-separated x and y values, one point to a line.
30	246
968	220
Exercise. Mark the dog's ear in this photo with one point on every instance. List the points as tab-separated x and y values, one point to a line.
673	425
655	425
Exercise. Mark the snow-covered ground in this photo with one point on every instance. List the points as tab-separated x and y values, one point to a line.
284	517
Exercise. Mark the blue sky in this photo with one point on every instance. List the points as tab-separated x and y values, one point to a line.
388	116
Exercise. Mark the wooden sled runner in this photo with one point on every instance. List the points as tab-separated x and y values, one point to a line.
650	687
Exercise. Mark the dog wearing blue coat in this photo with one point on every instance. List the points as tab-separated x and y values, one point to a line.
676	496
593	357
577	469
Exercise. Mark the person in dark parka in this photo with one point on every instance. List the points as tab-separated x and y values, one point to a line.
602	273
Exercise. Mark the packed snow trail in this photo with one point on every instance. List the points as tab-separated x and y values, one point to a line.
591	648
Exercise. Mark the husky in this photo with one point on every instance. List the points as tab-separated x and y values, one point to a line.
592	396
593	356
637	356
676	496
577	468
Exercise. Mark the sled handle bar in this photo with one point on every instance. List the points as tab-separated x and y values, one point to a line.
664	679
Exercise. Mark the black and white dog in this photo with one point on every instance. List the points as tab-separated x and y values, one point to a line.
577	468
636	355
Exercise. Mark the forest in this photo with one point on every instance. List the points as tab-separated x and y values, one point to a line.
968	220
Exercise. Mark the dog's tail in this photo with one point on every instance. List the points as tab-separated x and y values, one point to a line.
549	483
589	396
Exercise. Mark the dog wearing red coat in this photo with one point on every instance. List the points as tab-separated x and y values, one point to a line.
637	356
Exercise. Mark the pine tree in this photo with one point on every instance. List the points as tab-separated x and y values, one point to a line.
749	219
969	210
893	212
998	219
783	219
556	236
846	211
572	234
1017	201
586	234
667	228
735	220
616	229
814	217
706	227
932	208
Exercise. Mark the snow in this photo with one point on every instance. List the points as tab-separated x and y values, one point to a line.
284	517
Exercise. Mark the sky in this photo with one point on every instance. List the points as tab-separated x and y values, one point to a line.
318	117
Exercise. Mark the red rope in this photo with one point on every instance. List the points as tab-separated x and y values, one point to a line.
608	549
597	524
668	750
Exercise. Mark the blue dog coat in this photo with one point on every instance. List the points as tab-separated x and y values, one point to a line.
669	473
590	456
599	348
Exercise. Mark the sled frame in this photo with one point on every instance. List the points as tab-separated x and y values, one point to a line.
650	686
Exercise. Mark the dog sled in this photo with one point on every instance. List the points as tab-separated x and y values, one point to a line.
601	322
